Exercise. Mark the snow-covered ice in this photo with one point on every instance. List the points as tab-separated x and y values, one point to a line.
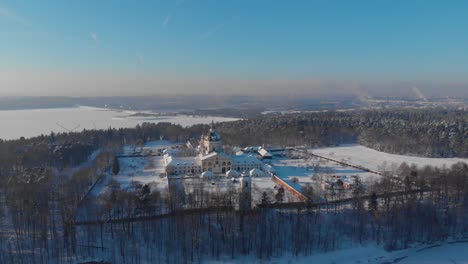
34	122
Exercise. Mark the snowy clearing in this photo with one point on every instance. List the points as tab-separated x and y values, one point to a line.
150	147
302	169
143	170
436	254
314	171
373	159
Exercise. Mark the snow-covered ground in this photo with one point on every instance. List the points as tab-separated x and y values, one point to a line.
212	185
145	169
267	185
373	159
224	185
68	172
151	147
303	169
142	170
435	254
314	171
159	144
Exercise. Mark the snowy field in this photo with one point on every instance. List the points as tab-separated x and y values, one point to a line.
436	254
301	172
373	159
151	147
443	254
224	185
303	169
143	170
266	184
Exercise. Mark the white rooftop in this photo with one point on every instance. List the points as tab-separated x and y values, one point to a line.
256	173
245	159
232	173
252	148
207	174
181	161
213	154
264	152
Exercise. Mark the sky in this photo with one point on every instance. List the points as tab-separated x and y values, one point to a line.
120	48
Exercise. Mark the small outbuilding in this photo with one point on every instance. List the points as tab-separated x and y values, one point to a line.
264	154
232	174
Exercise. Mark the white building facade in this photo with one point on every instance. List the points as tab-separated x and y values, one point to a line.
211	158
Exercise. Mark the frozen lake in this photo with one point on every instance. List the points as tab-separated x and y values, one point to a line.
30	123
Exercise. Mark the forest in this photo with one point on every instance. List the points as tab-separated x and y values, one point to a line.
428	133
434	208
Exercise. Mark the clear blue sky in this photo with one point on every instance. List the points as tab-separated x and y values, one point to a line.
234	40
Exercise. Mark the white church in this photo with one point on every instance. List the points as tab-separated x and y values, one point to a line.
211	160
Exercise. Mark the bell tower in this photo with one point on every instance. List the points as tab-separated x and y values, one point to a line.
212	141
245	194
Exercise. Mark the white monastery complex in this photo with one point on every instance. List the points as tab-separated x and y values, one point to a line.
210	160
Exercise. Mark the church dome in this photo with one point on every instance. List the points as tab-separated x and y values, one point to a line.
213	136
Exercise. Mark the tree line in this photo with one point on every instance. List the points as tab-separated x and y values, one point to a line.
422	132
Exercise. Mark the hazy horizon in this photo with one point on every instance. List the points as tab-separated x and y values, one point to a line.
76	86
177	47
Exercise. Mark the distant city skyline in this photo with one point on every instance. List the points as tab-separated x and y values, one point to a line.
101	48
